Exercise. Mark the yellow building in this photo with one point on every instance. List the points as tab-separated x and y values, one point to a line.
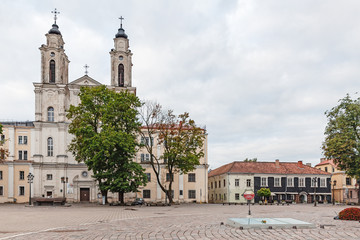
14	186
343	187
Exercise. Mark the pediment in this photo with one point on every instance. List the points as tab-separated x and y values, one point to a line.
85	81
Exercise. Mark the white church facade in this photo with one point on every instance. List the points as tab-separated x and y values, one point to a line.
57	173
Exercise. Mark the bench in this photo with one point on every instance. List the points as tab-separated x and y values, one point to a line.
48	201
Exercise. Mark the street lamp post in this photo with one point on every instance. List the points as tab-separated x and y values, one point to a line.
64	180
30	178
315	180
333	192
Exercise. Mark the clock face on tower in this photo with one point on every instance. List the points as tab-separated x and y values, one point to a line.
121	58
84	173
52	54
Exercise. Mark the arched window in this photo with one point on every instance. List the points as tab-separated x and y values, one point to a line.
52	72
50	114
50	147
121	75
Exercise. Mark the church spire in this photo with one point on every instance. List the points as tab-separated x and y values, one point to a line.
55	27
121	31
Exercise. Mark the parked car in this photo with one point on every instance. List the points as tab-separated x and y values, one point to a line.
138	201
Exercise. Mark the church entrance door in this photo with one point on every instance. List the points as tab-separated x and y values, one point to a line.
84	194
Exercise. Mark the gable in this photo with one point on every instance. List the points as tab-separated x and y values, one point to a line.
85	81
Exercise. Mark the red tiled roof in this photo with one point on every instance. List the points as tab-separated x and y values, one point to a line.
266	167
324	162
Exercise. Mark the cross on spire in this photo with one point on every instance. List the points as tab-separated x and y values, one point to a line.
55	12
86	69
121	18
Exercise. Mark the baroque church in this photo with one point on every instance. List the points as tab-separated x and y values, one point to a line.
55	170
53	96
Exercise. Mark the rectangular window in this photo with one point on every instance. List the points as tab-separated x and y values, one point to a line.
49	176
301	182
237	182
20	138
224	183
322	182
25	139
1	190
145	157
22	175
215	184
290	182
191	177
168	177
181	192
1	175
20	155
248	182
326	169
21	191
237	196
2	137
277	182
264	181
224	196
212	185
145	141
348	181
25	155
314	182
148	177
146	194
192	194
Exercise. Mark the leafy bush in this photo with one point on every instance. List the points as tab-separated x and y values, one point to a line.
350	214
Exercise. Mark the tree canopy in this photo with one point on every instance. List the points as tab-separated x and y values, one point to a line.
342	136
264	192
182	141
105	128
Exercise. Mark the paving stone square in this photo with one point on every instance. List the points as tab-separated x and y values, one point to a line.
187	221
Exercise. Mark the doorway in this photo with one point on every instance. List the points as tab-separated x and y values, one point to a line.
84	194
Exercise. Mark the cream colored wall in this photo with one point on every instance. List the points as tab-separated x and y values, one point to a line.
18	182
216	195
4	182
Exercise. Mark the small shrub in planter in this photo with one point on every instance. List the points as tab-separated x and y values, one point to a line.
350	214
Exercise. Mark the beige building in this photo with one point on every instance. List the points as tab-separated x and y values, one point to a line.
14	186
56	172
190	187
344	188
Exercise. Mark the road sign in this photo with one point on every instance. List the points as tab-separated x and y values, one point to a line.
249	195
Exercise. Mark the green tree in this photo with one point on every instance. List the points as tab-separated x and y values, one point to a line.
182	141
3	151
250	160
263	193
105	127
342	136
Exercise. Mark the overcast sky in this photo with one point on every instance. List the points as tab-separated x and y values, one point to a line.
258	74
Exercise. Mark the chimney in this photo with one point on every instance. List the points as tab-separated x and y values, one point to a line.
277	163
300	164
308	164
322	159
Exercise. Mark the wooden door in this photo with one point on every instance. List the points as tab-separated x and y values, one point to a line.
84	194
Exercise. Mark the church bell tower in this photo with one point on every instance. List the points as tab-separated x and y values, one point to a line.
54	62
121	60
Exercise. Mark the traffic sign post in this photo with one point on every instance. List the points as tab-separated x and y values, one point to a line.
249	195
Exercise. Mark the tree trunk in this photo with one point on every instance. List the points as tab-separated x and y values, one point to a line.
104	194
169	196
121	197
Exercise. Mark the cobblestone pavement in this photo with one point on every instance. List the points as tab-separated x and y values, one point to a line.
188	221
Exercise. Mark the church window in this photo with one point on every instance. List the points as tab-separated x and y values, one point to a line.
50	114
52	72
50	147
121	75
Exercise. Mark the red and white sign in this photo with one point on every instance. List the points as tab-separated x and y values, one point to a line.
249	195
